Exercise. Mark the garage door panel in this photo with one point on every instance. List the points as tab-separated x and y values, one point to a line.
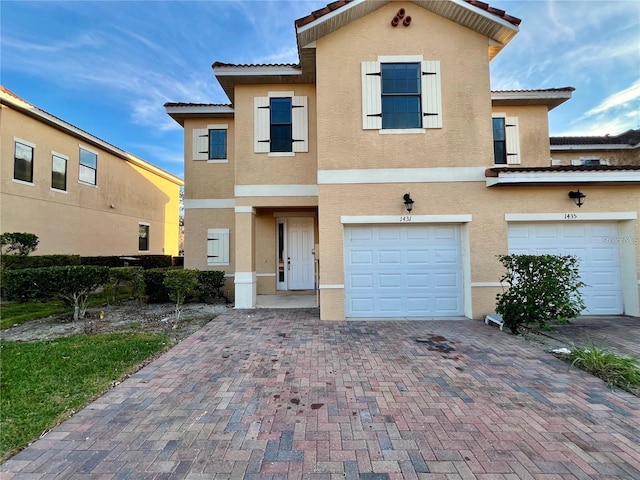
447	304
389	257
406	276
390	280
389	234
599	261
361	257
418	257
361	280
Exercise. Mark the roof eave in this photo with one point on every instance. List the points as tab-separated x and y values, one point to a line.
551	99
180	113
542	177
496	29
232	75
594	146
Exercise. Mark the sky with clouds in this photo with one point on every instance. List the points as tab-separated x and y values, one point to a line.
108	66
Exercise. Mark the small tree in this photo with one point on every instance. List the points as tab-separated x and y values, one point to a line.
181	284
76	283
19	243
543	289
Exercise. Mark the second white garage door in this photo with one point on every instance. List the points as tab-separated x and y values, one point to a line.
403	271
594	245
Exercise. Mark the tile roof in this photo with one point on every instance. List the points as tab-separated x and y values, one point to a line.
223	64
493	172
538	90
181	104
630	137
331	7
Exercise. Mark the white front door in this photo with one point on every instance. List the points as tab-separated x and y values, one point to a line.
297	253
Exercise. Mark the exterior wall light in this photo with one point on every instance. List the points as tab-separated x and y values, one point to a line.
578	197
408	203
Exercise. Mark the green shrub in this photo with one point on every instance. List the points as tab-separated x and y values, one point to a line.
18	243
543	289
29	284
154	285
71	284
210	283
144	261
130	277
16	262
181	284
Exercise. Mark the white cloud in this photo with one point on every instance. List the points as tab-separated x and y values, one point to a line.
618	99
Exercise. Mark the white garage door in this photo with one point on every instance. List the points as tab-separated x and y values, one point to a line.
593	243
403	271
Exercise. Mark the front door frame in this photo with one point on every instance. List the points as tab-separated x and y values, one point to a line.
282	246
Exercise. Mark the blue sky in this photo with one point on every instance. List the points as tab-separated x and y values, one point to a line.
109	66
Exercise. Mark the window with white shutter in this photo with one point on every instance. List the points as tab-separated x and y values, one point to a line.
218	246
401	93
506	140
210	143
281	124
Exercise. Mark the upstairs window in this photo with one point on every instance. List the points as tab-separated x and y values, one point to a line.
58	172
401	106
210	143
506	141
23	161
88	167
281	124
401	93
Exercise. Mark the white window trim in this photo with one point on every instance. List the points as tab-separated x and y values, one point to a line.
24	142
66	173
95	152
33	160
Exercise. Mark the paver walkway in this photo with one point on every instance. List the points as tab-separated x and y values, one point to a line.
270	394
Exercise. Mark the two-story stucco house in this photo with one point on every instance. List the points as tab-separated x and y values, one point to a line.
383	171
78	193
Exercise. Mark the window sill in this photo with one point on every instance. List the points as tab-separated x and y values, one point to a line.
57	190
282	154
401	131
23	182
218	161
87	184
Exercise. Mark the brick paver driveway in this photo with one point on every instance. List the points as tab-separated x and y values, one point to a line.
280	394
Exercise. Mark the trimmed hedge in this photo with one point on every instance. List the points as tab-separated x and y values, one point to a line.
154	285
144	261
42	284
17	262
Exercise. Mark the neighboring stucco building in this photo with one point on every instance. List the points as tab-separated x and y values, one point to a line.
79	194
622	149
384	171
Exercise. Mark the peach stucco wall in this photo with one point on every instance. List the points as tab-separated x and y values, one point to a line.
466	136
86	219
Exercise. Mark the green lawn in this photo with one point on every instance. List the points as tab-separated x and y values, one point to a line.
41	383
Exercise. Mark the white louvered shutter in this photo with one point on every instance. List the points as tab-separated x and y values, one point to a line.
300	124
512	134
371	96
431	94
218	246
200	144
261	125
